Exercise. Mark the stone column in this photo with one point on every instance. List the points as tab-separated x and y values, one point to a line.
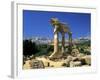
70	42
63	42
70	38
56	43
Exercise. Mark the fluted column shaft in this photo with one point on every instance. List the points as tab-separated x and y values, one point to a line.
63	42
56	40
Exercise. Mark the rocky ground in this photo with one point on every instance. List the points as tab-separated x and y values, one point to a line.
45	62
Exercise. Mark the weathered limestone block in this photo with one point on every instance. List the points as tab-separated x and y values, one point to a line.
80	55
69	58
36	64
87	59
46	61
67	62
27	64
75	52
75	64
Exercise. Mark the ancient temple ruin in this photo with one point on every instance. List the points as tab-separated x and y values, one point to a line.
62	28
62	56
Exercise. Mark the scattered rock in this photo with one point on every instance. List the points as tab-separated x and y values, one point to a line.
36	64
87	59
27	65
75	64
75	52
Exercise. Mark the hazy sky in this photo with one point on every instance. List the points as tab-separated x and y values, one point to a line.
37	23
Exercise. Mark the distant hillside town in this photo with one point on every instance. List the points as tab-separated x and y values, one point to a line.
45	40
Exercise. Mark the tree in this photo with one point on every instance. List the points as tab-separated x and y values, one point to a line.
29	48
